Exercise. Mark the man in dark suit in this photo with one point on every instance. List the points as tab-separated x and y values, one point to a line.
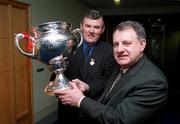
93	63
137	96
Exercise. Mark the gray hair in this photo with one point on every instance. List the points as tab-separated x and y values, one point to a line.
136	26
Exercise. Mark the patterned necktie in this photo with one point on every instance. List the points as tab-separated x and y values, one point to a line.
115	82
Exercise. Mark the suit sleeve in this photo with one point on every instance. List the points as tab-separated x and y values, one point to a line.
139	105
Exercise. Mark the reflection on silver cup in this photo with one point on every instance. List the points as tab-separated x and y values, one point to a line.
52	43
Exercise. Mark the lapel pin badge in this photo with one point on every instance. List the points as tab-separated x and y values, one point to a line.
92	62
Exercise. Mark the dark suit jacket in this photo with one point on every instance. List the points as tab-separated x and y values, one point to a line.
95	74
138	98
97	71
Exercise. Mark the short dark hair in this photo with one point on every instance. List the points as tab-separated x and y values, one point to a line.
138	28
93	14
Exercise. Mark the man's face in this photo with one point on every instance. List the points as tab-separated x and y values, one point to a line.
92	29
127	48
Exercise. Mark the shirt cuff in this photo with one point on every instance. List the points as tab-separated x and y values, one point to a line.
79	102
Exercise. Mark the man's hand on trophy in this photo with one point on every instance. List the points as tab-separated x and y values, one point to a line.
81	85
67	96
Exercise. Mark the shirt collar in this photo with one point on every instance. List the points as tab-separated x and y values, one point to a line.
124	70
85	45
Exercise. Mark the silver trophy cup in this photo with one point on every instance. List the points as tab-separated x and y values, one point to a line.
51	43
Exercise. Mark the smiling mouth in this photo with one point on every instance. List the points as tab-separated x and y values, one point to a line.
121	56
90	37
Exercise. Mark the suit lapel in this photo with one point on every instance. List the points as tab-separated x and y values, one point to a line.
125	79
81	63
108	86
120	84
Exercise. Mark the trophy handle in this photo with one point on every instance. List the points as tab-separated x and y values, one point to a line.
81	36
21	36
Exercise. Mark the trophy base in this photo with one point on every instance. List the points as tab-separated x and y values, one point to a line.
49	90
60	83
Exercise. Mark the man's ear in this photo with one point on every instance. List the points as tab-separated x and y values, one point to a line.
143	44
103	29
81	26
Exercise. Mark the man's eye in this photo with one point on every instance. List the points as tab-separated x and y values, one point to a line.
97	27
126	43
88	26
115	44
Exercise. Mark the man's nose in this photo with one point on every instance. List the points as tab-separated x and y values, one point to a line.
91	30
120	48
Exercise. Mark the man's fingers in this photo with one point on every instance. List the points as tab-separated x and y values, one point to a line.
59	91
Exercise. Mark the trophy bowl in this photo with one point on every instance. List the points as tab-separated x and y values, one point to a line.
52	43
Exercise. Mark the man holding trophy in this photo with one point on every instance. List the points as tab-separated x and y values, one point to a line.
84	59
93	67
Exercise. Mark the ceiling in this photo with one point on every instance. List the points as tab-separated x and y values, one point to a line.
109	4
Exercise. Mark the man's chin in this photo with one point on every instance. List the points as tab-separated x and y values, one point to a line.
123	63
